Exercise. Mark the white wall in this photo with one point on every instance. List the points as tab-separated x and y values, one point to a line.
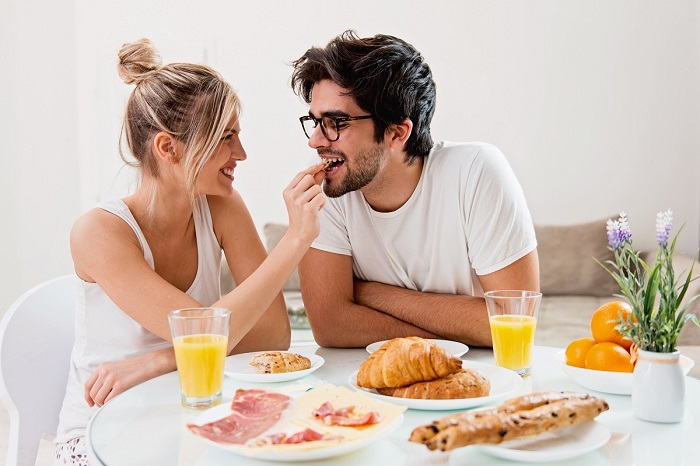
38	141
596	104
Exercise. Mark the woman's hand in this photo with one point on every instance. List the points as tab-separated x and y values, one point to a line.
114	377
304	198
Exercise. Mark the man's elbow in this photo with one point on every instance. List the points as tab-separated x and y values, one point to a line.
322	335
323	330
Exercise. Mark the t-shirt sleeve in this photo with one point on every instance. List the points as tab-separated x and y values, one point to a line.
334	233
498	223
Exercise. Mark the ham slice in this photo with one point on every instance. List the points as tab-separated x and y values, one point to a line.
344	416
306	435
252	413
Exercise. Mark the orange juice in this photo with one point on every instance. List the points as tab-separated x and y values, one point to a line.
200	363
513	337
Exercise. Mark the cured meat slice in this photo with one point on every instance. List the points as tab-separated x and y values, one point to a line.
303	436
259	403
344	416
252	413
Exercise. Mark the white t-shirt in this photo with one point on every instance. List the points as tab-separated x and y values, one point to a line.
466	217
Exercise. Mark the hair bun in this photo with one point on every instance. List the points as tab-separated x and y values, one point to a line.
137	60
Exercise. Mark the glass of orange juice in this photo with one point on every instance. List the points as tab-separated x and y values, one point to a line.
513	318
200	339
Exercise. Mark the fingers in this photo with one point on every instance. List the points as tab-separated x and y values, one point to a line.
319	176
303	187
312	171
100	396
88	387
100	388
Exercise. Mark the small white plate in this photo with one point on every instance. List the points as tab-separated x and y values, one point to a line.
503	382
556	445
293	453
454	347
238	367
615	383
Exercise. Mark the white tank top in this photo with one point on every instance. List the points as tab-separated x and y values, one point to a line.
103	332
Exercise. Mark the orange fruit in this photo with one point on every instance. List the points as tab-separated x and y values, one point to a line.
604	320
607	356
576	351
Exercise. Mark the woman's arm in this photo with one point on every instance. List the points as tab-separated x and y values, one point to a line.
114	377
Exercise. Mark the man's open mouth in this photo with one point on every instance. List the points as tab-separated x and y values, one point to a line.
332	162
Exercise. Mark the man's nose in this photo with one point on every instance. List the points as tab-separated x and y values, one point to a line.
318	139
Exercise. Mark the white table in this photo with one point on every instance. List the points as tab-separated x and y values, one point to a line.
146	425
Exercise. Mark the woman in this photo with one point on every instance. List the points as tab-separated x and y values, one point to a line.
160	249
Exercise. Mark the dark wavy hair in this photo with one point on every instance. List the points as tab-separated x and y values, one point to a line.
385	75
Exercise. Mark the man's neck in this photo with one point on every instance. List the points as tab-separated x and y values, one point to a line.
393	186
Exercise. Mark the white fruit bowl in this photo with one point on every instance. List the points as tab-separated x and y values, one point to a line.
615	383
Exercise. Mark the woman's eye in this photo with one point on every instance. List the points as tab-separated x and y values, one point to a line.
227	138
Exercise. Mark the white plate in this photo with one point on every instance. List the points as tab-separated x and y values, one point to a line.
556	445
238	367
503	382
293	454
615	383
454	347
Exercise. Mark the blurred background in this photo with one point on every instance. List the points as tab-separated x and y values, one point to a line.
596	104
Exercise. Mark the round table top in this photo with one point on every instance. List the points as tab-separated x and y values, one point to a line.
146	425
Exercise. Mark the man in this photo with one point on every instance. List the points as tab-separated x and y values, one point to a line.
412	233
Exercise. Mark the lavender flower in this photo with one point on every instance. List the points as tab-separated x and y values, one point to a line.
618	232
664	221
653	291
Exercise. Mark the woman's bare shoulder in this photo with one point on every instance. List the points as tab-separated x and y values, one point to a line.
97	235
99	222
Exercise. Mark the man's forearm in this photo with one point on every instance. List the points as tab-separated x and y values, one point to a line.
354	326
454	317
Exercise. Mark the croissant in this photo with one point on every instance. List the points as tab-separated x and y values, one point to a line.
465	383
405	361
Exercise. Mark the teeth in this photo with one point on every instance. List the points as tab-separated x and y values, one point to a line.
330	160
227	171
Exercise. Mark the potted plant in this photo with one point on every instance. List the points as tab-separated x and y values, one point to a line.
655	295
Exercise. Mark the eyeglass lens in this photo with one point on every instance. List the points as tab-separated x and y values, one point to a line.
328	126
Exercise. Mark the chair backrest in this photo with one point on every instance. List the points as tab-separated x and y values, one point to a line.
36	339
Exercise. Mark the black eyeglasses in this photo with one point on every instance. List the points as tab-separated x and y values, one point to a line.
330	126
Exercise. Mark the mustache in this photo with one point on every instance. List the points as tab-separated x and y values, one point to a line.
331	152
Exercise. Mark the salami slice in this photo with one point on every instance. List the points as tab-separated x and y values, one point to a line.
252	413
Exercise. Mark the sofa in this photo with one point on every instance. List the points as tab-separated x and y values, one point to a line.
573	284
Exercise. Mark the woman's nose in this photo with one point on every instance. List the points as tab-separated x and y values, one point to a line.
239	153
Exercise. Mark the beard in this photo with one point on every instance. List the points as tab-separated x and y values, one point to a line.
368	163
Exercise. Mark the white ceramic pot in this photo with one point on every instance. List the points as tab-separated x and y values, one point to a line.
658	390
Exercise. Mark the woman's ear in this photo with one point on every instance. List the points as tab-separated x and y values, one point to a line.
400	132
164	148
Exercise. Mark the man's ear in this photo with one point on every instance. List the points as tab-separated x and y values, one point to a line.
400	132
164	148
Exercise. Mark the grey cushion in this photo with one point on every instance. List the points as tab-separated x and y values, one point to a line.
566	255
273	234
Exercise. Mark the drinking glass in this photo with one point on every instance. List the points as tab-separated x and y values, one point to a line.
200	339
513	318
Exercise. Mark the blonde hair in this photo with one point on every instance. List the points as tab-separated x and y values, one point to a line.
190	102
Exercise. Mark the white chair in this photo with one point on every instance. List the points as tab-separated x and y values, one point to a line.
36	339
